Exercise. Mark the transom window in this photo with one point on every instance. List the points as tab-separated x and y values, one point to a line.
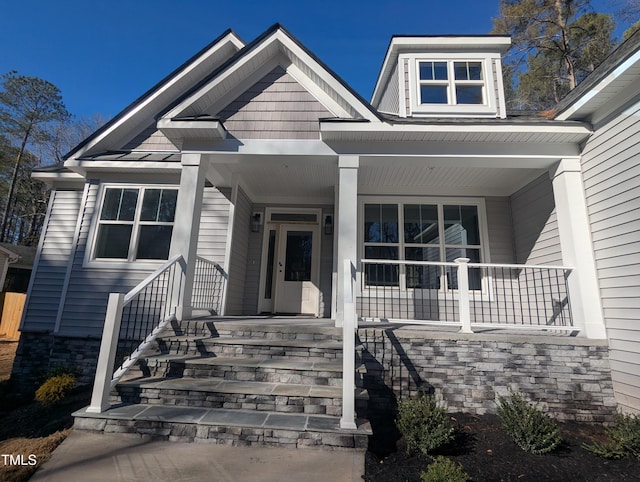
421	232
451	82
135	223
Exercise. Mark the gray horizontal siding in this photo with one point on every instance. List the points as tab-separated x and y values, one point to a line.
49	273
238	258
214	222
611	176
500	230
150	139
535	227
390	100
275	107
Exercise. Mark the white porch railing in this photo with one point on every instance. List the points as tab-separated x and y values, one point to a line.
465	294
134	320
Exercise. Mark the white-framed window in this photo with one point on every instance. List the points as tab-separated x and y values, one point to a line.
452	84
422	230
458	82
134	223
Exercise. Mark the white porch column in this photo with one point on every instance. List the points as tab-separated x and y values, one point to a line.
577	249
346	211
186	225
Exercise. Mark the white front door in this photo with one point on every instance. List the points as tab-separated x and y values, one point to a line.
296	266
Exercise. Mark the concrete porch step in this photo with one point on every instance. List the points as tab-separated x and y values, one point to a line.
239	368
230	427
231	394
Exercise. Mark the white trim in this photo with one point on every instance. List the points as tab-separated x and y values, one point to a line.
402	101
230	227
265	305
488	109
229	40
282	44
584	100
117	263
489	45
440	201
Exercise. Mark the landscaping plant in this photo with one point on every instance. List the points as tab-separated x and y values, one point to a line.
531	429
424	424
443	469
55	389
625	439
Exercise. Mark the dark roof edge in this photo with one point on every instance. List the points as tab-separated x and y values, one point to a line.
625	50
149	92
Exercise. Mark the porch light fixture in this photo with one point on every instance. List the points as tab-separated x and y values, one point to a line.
328	225
256	221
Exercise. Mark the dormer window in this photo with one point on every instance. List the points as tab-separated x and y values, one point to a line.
451	82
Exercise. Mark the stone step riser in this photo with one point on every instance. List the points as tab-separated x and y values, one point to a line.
208	329
209	348
238	401
225	435
242	373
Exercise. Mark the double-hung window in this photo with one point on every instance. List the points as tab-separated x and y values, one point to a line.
432	232
450	82
135	223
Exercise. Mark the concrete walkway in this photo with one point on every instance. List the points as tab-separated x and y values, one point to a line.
122	457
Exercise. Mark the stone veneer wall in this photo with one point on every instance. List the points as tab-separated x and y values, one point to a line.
38	353
570	377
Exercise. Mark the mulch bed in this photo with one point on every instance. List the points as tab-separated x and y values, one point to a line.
486	453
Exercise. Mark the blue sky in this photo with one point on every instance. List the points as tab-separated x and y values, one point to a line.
104	54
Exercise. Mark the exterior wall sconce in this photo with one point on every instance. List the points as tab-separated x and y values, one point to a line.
328	225
256	222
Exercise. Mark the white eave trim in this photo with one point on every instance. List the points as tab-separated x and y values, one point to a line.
231	38
82	166
575	109
288	48
367	127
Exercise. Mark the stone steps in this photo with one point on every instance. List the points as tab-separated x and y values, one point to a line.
229	427
243	384
229	394
244	369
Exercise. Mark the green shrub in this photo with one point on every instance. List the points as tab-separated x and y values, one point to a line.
444	470
55	389
530	428
625	439
424	424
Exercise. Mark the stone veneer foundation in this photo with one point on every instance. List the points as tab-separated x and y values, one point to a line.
569	376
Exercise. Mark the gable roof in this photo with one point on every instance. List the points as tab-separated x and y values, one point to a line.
273	47
144	109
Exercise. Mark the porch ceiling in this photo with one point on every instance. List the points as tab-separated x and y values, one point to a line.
407	179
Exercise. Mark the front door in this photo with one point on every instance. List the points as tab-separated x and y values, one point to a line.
296	266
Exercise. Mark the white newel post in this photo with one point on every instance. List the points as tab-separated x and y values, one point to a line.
186	226
577	249
107	356
463	295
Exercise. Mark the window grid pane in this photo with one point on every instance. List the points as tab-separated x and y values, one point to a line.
421	241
